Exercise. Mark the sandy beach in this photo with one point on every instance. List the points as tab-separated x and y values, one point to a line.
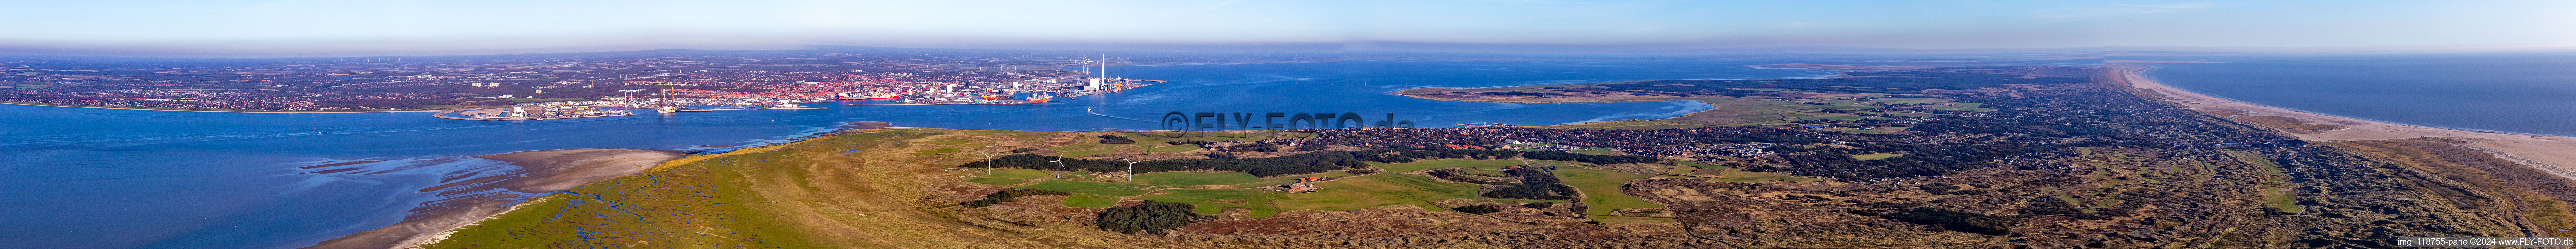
2556	155
466	201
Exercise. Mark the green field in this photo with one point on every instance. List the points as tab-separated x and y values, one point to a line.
1176	148
1020	174
1286	179
1373	191
995	181
1099	188
1601	189
1195	178
1090	201
2281	200
1868	157
1445	163
1213	201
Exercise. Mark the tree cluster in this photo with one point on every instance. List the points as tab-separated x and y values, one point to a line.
1535	185
1148	217
1115	139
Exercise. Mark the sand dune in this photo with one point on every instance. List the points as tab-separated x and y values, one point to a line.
2556	155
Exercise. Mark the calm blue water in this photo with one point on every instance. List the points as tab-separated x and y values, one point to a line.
2528	93
105	178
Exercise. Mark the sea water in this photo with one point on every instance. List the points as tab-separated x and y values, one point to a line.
2521	92
110	178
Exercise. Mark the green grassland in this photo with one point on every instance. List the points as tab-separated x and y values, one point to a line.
1867	157
1286	179
1374	191
1601	189
758	197
1019	173
995	181
1195	178
1213	201
1445	163
682	202
1099	188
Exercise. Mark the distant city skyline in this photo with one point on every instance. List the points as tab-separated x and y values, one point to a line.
323	28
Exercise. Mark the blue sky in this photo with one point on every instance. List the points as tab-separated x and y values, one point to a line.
219	28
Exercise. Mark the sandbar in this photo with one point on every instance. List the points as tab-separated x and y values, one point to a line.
466	201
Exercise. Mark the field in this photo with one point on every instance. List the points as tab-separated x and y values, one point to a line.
1216	201
1601	189
1099	188
995	181
760	197
1373	191
1195	178
1286	179
1348	192
1019	173
1445	163
1875	156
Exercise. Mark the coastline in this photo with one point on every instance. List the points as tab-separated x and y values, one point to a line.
467	201
570	169
150	109
2547	153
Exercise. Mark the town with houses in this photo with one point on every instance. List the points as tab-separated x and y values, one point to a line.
571	85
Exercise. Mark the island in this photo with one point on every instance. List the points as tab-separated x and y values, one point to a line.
2042	157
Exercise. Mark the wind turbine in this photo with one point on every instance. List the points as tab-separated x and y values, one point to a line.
1059	164
1131	170
988	163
